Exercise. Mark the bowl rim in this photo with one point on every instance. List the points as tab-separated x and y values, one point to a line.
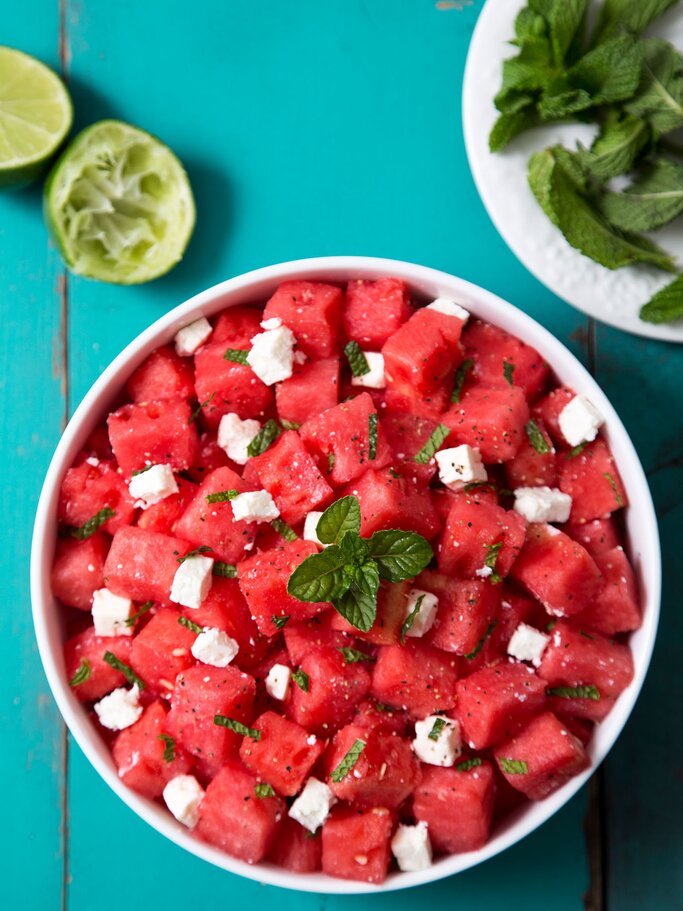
211	301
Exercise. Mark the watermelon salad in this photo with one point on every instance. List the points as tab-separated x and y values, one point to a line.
344	579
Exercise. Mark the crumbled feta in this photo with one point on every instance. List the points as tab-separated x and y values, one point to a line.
484	572
542	504
213	646
278	681
426	615
450	308
374	378
254	506
153	485
272	355
273	323
192	581
580	421
191	337
93	460
312	806
311	527
411	848
459	466
110	612
182	795
234	435
445	749
119	709
528	644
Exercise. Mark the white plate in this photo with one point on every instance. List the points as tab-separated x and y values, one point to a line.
611	296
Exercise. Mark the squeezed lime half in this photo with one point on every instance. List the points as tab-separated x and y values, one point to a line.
119	204
35	116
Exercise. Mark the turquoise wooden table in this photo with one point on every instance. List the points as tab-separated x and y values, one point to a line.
307	128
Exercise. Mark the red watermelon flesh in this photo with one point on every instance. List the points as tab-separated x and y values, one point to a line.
141	564
388	500
592	480
154	433
88	488
313	387
492	349
227	387
162	375
87	647
78	569
313	311
374	310
415	677
456	805
356	844
283	756
490	419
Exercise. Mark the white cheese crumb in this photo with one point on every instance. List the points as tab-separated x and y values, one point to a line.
542	504
192	581
278	682
459	466
426	615
92	460
182	796
119	709
580	421
528	644
110	612
273	323
449	308
311	527
445	749
374	378
191	337
213	646
272	355
312	806
483	572
153	485
254	506
235	435
411	848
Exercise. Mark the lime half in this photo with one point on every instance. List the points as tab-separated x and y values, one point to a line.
35	116
119	204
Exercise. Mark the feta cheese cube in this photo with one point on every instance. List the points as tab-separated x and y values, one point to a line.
272	355
192	581
119	709
542	504
234	435
254	506
278	681
411	848
426	615
444	747
213	646
449	308
374	379
153	485
527	644
580	421
191	337
273	323
312	806
311	527
182	796
110	612
459	466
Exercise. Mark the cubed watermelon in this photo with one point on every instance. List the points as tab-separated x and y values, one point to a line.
86	489
592	480
513	610
225	608
549	409
284	754
141	564
374	310
89	648
154	433
295	848
78	569
313	311
162	650
356	844
313	387
224	386
406	435
162	516
211	456
492	348
388	500
416	677
531	468
392	601
456	805
464	614
331	691
318	632
162	375
617	607
490	418
597	536
237	325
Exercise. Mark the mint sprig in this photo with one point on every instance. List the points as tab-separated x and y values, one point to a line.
83	673
536	438
357	360
88	529
264	438
348	762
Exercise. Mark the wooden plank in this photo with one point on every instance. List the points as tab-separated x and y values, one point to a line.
32	380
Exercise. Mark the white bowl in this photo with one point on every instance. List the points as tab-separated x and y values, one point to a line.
257	286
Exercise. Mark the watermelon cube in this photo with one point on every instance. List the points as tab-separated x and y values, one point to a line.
233	818
549	409
406	435
290	475
531	468
465	612
388	500
333	690
153	433
237	325
313	387
201	693
415	677
139	754
385	774
162	375
162	516
492	348
617	608
87	488
597	536
88	647
141	564
490	418
211	456
226	386
542	757
313	311
284	755
78	569
392	601
374	310
370	715
339	439
495	702
309	635
225	608
456	805
212	524
162	650
295	848
356	844
592	480
557	571
513	610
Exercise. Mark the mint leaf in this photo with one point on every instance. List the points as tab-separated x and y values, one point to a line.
169	748
666	305
659	98
341	517
191	625
357	360
236	355
460	377
372	436
611	71
320	577
574	692
348	762
536	438
280	622
631	15
130	621
358	604
480	644
564	105
613	484
434	443
491	559
565	19
124	669
437	727
400	555
221	496
508	371
83	673
93	524
330	462
138	471
509	126
410	619
224	722
468	764
226	570
263	789
197	552
301	679
195	414
289	425
283	529
354	656
513	766
264	438
653	199
616	148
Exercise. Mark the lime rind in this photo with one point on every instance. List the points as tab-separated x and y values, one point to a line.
119	204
